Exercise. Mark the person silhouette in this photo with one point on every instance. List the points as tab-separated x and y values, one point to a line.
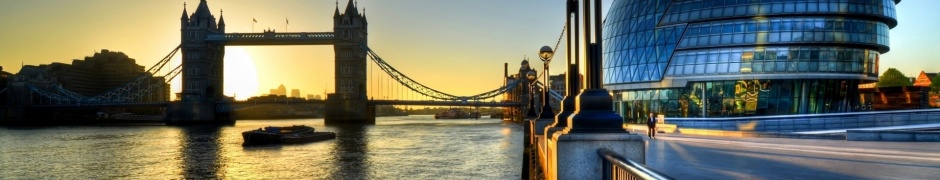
651	126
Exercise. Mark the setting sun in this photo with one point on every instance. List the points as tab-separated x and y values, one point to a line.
241	77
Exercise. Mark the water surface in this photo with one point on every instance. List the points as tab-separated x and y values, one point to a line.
412	147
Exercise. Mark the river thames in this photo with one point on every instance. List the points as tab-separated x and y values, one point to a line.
411	147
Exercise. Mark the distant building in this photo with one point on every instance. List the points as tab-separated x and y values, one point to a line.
295	93
922	80
521	92
314	97
3	85
280	91
97	74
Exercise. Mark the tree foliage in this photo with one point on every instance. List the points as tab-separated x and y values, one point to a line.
892	77
935	83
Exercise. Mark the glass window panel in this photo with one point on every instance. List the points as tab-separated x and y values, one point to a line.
777	8
699	69
722	68
713	40
710	68
734	67
746	68
716	29
740	10
747	56
737	38
804	54
712	58
727	28
780	66
735	57
762	26
789	7
800	7
724	57
759	54
700	58
770	55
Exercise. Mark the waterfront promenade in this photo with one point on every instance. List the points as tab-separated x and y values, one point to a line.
708	157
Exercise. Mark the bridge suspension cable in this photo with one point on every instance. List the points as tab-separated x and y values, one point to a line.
137	88
427	91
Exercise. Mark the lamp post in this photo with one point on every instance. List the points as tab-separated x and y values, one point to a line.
546	53
531	76
594	112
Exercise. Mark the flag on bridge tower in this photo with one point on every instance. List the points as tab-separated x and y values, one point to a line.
288	21
253	19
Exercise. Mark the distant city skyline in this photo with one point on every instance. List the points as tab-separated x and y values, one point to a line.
436	42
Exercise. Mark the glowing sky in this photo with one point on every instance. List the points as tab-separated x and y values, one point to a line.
455	46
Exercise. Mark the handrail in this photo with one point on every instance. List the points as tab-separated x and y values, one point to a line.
805	115
616	167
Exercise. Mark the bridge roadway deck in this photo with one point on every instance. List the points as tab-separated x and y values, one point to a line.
696	157
271	38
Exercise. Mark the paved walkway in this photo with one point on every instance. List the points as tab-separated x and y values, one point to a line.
706	157
916	126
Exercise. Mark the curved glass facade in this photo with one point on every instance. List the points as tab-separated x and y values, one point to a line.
685	11
786	30
749	60
725	58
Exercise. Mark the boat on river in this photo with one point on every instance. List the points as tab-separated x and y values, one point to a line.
285	135
455	113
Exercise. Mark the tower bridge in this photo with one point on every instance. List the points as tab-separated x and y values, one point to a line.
203	39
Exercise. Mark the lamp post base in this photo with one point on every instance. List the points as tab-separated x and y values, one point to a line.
594	114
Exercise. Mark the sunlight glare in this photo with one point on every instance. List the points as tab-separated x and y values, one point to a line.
241	76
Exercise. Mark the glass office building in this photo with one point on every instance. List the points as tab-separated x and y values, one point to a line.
733	58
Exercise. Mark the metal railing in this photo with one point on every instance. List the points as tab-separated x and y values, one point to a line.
804	116
616	167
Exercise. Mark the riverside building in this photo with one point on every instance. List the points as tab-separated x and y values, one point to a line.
740	58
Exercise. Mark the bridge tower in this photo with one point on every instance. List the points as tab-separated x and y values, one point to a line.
202	73
349	102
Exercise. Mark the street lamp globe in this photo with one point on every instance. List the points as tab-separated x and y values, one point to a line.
531	75
546	53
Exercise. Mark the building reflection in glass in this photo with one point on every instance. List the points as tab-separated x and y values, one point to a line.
741	98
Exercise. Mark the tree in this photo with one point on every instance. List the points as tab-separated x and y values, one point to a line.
935	83
892	77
